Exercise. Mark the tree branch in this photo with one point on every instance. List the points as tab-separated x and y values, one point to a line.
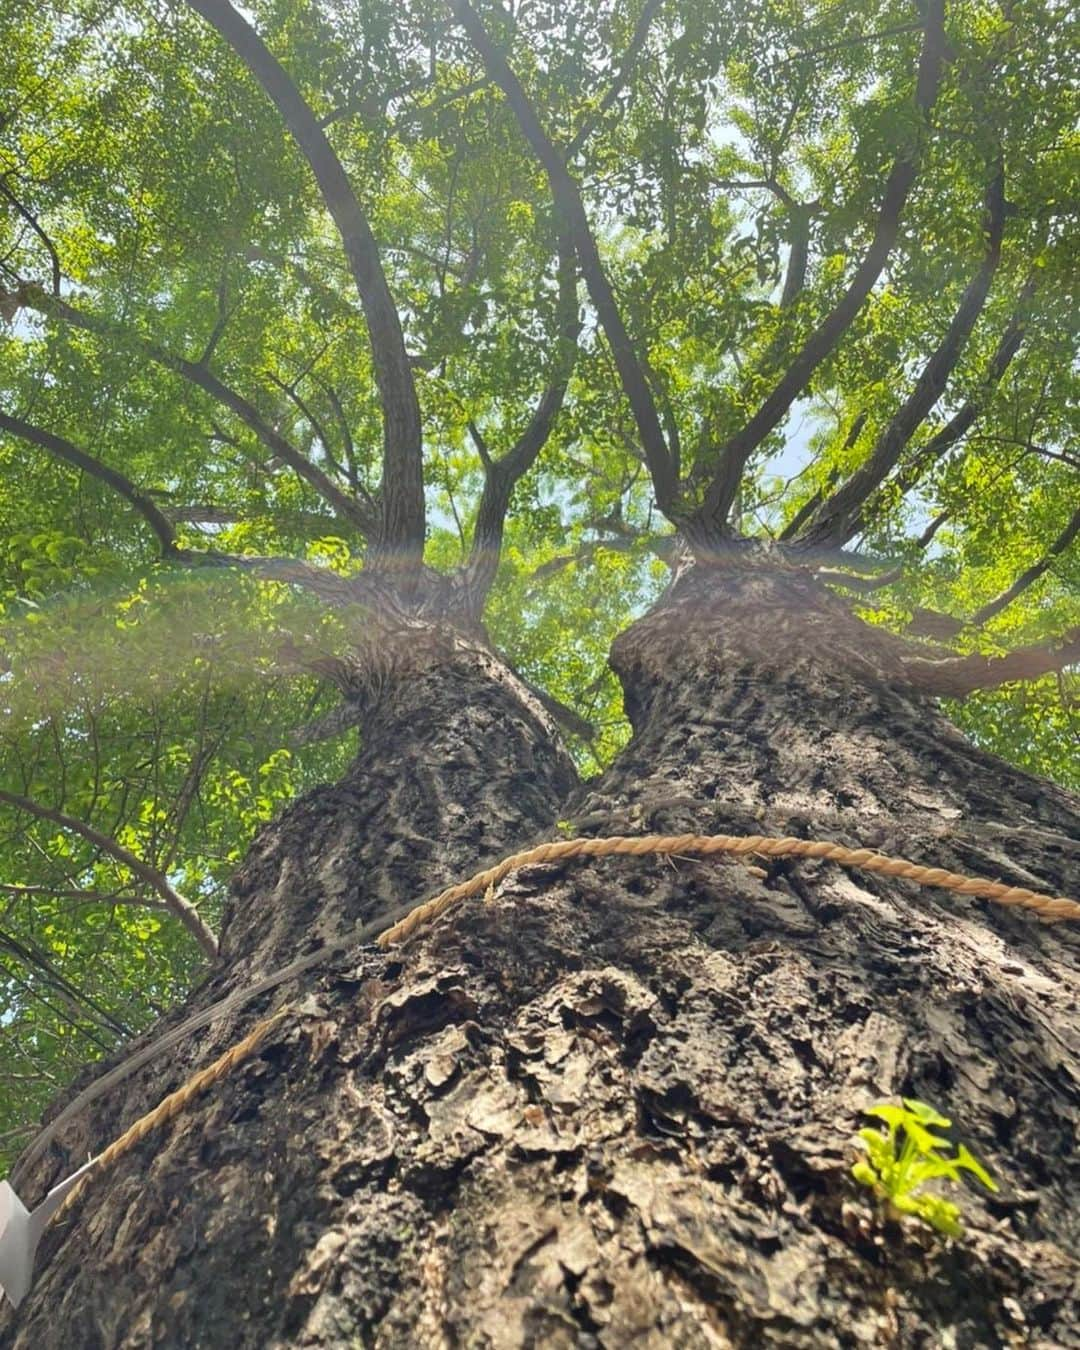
35	225
853	582
502	475
965	417
837	518
714	511
82	897
333	299
355	512
220	324
926	538
857	41
931	623
331	588
964	675
346	438
560	712
479	441
63	449
203	513
32	956
626	66
799	214
799	217
803	514
182	909
567	197
401	534
1031	574
305	411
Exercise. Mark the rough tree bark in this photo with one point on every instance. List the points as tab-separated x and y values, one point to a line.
614	1107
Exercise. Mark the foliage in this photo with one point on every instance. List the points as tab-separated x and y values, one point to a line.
148	180
904	1155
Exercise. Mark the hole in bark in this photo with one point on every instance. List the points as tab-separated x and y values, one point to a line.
724	1174
435	1183
616	1205
670	995
579	1310
641	1035
801	1179
667	1115
349	1178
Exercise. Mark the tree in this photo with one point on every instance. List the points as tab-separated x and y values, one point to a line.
377	367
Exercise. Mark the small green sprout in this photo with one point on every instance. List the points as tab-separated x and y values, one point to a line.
897	1167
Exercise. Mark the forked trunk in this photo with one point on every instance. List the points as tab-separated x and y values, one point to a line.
614	1107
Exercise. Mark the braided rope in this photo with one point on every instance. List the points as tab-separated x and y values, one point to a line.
1047	907
172	1105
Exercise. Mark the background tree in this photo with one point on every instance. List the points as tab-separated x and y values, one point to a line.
378	366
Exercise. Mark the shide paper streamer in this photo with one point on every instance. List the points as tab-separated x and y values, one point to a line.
20	1233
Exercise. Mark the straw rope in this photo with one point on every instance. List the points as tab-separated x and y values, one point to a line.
1047	907
176	1102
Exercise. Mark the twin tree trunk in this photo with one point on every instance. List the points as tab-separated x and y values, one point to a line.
614	1107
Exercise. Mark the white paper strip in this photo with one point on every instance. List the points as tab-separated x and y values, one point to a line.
20	1233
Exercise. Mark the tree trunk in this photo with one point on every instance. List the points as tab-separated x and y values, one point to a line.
615	1106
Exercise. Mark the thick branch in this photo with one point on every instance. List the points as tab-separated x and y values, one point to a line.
931	623
837	519
734	455
927	537
1030	574
64	450
402	529
495	500
568	199
331	588
560	712
501	476
961	422
355	512
182	909
966	674
799	214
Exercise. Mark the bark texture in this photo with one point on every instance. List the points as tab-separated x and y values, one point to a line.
458	761
614	1107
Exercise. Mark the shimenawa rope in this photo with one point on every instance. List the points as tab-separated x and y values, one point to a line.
1047	907
172	1105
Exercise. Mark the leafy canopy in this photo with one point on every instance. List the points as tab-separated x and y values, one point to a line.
181	312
